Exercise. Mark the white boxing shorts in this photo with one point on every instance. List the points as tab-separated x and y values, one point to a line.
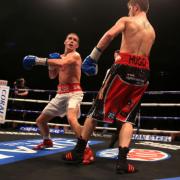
59	105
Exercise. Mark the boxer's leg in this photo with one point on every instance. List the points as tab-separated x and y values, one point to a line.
42	121
125	135
50	111
73	113
73	121
77	154
115	136
122	166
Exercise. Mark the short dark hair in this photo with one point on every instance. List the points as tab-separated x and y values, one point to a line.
143	4
75	35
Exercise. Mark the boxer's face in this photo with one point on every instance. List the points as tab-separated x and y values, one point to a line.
71	42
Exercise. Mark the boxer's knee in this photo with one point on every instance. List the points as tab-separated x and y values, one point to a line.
72	120
72	115
43	119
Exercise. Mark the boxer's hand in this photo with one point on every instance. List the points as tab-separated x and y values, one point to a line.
30	61
89	66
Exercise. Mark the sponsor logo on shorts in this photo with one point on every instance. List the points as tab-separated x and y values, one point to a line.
140	61
136	154
111	115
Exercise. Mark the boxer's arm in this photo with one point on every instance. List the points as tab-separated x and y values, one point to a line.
53	56
69	59
89	66
53	73
31	60
54	65
74	58
116	29
53	70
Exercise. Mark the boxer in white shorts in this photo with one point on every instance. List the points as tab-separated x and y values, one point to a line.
67	67
59	105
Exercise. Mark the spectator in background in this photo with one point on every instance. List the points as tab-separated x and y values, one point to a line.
20	92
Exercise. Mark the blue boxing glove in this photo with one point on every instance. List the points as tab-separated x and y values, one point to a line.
89	65
54	56
30	61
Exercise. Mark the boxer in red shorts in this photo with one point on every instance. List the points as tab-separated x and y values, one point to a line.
128	77
125	83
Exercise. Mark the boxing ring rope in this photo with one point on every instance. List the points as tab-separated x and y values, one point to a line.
41	101
97	128
95	92
144	117
90	103
162	92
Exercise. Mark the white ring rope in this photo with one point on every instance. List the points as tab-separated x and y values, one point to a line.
95	92
90	103
28	100
50	91
160	104
40	101
100	128
162	92
36	90
84	115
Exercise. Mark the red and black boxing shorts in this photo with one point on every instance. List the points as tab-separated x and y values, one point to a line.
122	90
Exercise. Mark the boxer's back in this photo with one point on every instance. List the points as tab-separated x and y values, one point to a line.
138	36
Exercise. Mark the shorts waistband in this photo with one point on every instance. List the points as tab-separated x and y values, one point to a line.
67	88
134	60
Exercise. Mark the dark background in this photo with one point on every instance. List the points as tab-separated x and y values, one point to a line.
39	27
